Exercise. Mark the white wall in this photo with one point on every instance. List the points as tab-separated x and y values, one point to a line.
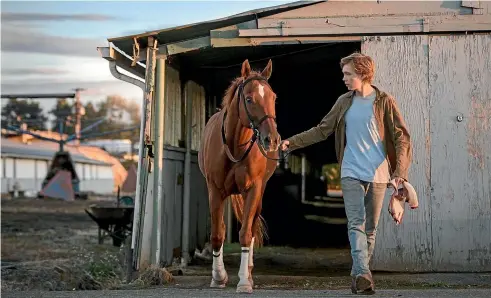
30	173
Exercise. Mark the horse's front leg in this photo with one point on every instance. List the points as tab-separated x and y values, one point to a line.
255	233
252	200
219	274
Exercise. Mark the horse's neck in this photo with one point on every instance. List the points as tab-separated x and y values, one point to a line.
235	132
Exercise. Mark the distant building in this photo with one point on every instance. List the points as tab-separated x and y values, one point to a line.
111	146
26	164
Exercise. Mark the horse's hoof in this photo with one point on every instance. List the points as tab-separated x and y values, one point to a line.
219	284
244	289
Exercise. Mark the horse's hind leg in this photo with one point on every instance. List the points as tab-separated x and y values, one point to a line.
219	274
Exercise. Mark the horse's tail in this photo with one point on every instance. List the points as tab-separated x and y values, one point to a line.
259	229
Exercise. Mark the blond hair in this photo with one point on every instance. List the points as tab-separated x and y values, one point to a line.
363	65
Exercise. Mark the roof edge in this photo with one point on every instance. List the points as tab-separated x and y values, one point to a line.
251	13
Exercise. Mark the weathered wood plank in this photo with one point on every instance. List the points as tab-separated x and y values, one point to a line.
361	26
435	22
332	22
460	85
173	115
197	94
281	40
357	30
374	8
228	36
402	70
188	45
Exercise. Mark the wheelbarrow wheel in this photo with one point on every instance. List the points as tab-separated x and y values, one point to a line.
101	236
118	236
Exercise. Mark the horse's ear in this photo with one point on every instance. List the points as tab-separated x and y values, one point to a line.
268	70
246	69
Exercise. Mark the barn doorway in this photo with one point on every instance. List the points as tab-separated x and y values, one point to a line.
302	204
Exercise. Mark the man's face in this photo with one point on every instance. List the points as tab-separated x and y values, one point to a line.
350	78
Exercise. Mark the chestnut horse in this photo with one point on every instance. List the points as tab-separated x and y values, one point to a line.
234	161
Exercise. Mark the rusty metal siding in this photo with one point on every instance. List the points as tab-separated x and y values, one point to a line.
460	85
172	113
435	79
197	93
402	70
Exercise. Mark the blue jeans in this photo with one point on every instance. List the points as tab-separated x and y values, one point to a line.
363	203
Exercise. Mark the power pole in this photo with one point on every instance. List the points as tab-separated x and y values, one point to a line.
78	115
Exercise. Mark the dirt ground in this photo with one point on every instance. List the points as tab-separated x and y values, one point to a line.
52	245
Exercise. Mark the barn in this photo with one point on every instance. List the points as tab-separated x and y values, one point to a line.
434	57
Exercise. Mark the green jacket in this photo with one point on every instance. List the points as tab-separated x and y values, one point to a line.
392	128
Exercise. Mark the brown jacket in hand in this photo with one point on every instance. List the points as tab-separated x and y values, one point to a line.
392	129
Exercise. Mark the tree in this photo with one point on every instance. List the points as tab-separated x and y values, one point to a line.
121	113
62	111
18	111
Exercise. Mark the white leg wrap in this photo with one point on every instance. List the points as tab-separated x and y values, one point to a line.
218	273
244	285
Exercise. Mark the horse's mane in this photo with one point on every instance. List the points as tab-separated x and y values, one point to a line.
230	92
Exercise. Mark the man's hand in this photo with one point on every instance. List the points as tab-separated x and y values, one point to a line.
284	145
396	206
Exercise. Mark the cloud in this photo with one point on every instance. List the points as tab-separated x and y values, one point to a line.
29	40
31	17
33	71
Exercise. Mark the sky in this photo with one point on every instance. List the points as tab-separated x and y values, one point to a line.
51	46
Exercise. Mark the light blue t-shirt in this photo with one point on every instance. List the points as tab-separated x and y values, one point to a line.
364	154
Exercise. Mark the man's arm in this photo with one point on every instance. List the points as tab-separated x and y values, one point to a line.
317	133
402	140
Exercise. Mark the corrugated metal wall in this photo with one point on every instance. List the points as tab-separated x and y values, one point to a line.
438	79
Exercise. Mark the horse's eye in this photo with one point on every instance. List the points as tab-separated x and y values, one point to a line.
249	99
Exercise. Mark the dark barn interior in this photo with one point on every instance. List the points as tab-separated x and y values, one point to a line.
307	80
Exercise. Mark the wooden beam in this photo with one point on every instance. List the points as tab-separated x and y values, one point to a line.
110	54
328	31
335	22
363	26
263	41
477	9
228	36
282	40
188	45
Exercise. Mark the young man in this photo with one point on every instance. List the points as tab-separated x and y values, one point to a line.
373	147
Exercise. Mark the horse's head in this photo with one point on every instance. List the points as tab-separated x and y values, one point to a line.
257	105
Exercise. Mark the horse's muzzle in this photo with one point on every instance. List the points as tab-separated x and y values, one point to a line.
271	144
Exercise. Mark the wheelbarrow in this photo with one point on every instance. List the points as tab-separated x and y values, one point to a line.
115	222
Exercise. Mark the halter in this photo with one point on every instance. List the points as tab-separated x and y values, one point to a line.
255	127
